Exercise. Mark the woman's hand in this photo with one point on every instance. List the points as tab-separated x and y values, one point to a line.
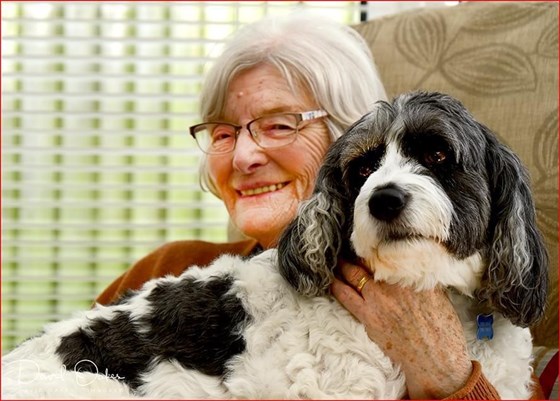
419	330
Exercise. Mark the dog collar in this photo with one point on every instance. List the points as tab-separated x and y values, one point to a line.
484	329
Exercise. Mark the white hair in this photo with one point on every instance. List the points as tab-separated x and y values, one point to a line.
329	60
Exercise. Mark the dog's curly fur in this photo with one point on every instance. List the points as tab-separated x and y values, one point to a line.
417	190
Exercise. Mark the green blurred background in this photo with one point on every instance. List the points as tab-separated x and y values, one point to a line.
97	165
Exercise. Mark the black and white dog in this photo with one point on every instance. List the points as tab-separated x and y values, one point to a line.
417	189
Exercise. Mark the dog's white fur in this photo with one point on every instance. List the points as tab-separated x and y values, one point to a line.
425	263
299	346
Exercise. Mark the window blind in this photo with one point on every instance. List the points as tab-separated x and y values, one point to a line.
97	165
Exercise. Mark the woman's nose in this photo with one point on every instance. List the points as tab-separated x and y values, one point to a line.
247	155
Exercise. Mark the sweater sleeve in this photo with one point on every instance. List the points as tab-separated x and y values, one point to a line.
479	388
476	388
171	259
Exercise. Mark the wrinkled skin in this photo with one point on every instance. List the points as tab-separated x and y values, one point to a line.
418	330
253	93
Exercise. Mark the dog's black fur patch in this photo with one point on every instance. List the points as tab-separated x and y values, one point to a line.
111	347
197	323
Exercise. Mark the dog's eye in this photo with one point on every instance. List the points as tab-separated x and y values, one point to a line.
360	168
435	157
365	171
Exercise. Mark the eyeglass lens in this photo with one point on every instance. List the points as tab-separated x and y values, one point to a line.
268	132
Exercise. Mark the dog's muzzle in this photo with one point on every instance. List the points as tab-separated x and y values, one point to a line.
387	203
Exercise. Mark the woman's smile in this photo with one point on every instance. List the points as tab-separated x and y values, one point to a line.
262	189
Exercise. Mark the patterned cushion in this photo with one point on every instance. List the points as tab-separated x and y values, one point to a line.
501	61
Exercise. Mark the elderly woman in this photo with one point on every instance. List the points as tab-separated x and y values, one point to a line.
279	95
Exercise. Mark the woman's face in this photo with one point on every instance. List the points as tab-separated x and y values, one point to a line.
262	188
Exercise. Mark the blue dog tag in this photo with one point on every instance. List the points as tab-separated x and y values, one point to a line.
484	327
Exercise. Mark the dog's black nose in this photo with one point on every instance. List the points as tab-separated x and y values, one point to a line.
387	203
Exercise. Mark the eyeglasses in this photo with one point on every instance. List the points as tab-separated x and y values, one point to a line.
270	131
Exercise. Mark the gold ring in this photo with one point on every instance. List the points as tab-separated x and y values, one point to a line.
362	282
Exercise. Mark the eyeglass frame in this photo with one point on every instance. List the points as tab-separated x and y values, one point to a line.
300	117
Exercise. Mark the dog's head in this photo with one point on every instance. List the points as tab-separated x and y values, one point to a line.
424	195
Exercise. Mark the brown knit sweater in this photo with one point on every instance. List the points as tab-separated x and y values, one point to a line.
173	258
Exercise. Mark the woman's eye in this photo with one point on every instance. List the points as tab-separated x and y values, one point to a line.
435	157
278	129
282	127
221	135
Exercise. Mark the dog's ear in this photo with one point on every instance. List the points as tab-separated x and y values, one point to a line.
516	280
309	247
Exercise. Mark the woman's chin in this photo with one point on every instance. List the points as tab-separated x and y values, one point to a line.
264	216
264	223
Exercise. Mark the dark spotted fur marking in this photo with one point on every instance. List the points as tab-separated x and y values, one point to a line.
197	323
